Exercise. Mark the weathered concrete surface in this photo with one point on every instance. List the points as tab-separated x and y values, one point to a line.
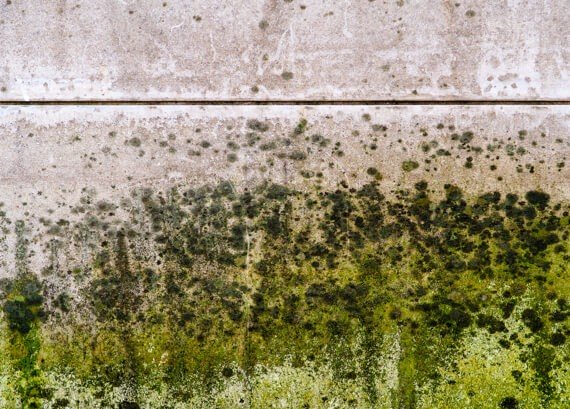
281	49
284	256
54	156
258	256
61	150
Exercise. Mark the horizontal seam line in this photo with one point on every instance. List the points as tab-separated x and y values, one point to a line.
286	102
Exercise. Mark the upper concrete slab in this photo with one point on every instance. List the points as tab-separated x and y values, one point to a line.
284	49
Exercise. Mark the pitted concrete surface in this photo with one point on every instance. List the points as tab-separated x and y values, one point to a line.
281	49
284	256
55	157
253	246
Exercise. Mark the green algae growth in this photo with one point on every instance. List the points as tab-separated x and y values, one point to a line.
272	297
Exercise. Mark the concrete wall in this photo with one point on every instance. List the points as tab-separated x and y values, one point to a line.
245	246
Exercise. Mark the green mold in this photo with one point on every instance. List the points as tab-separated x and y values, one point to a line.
410	165
271	296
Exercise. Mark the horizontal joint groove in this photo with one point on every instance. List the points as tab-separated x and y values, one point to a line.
286	102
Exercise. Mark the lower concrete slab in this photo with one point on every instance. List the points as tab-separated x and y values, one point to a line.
291	256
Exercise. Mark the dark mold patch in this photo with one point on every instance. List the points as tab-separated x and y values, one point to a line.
207	284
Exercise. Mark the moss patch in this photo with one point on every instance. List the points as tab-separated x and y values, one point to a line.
353	297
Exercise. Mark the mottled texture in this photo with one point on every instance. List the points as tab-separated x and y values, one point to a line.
345	257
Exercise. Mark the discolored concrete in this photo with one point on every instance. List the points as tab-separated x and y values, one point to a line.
53	156
289	254
262	256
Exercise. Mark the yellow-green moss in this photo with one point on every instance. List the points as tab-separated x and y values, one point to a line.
279	298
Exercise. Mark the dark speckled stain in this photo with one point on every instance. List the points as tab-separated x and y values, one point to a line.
355	297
